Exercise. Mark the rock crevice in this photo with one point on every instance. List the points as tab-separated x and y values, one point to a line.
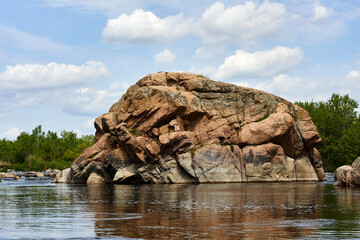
185	128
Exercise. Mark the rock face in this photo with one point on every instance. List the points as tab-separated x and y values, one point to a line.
185	128
347	176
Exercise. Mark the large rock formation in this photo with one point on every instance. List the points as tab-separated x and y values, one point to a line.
185	128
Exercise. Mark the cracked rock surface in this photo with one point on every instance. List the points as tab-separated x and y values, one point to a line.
185	128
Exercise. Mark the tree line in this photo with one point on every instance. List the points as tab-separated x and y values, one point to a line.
338	124
39	150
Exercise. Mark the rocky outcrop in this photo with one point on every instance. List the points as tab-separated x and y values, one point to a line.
347	176
185	128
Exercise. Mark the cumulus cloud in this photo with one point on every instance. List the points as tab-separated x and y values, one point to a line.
63	86
76	101
145	27
52	75
10	134
242	23
13	37
259	63
246	25
164	57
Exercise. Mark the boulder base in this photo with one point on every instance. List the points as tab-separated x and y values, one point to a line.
185	128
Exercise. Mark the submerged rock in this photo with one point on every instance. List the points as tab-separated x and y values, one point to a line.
185	128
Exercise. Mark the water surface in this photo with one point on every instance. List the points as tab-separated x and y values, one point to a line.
41	209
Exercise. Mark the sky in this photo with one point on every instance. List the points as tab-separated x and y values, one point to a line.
65	62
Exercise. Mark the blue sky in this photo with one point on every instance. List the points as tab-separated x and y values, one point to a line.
65	62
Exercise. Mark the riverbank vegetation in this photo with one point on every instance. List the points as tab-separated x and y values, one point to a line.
39	150
338	124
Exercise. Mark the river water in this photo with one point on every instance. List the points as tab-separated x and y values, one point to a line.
31	209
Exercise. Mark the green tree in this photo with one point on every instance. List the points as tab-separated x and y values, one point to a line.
40	150
338	125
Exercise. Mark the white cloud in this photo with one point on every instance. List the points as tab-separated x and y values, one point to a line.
259	63
319	23
349	83
321	12
242	23
164	57
85	102
145	27
291	88
90	101
27	99
10	134
282	85
52	75
246	25
353	76
13	37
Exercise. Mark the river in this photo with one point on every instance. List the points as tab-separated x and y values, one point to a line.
31	209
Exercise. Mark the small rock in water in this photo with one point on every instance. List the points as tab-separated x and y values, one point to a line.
40	175
9	175
346	176
62	176
30	174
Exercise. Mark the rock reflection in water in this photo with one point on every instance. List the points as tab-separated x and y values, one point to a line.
216	211
287	210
